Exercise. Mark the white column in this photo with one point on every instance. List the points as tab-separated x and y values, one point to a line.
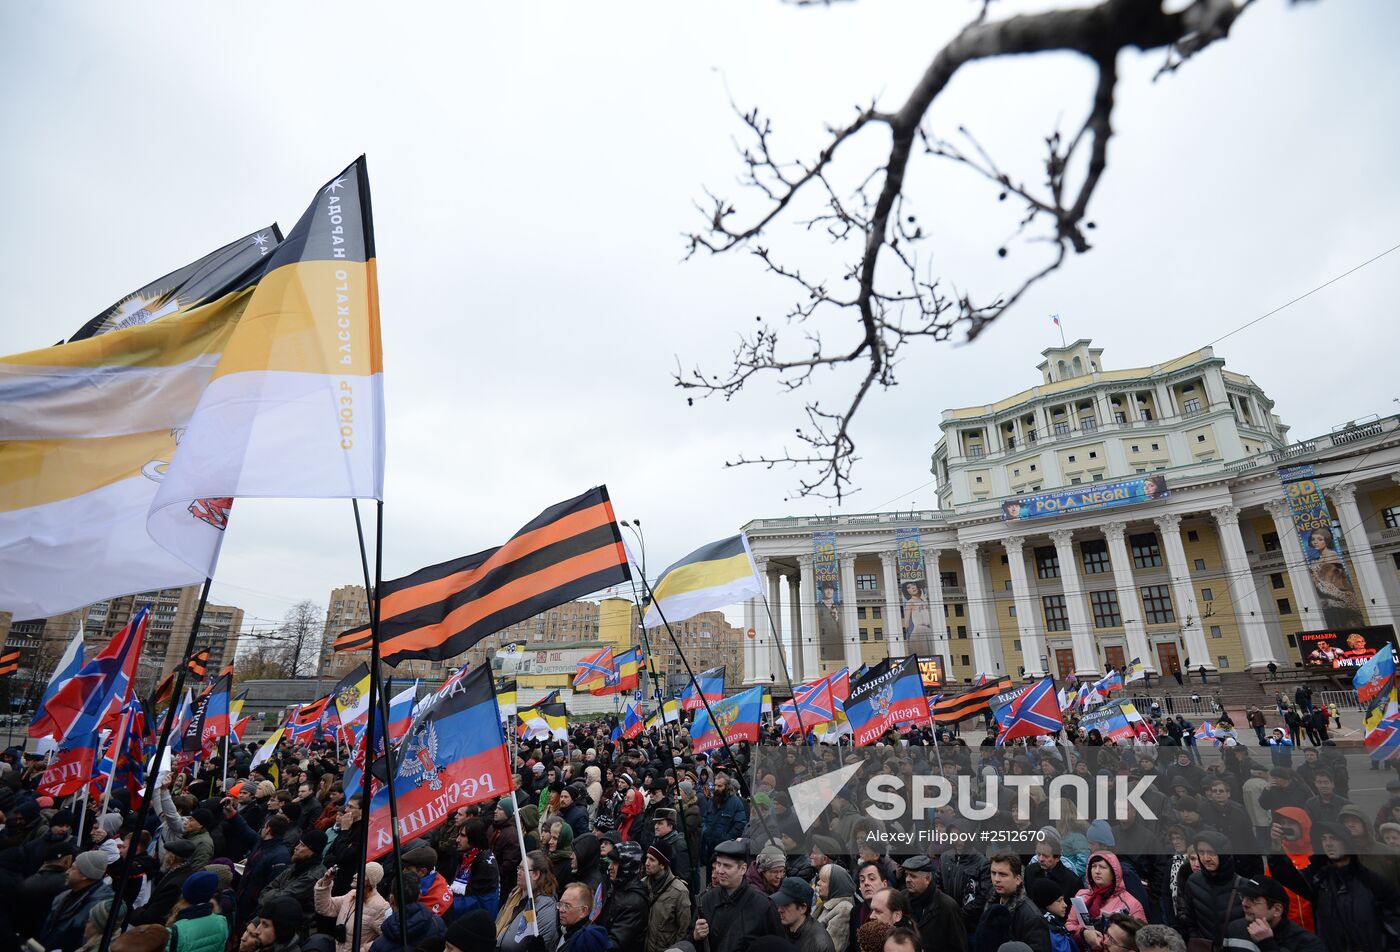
752	609
1027	620
793	646
983	656
1304	595
756	661
1254	630
850	624
771	661
1183	596
1361	556
811	663
933	578
894	627
1129	606
1081	629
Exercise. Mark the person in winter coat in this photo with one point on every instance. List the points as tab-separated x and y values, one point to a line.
1212	897
1355	908
1047	865
593	786
669	918
1266	922
504	843
838	899
559	844
63	927
265	863
586	865
299	879
477	884
421	925
37	894
341	908
194	925
510	921
573	807
938	917
576	932
664	830
177	866
794	899
624	912
731	913
1106	894
1009	915
722	817
967	878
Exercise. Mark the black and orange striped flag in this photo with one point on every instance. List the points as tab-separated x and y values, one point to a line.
952	709
198	666
570	550
9	663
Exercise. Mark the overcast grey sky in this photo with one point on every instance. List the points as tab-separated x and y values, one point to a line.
533	167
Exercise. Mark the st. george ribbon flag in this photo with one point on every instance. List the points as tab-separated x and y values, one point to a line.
453	755
121	452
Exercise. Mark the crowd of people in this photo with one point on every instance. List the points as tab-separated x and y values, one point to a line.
642	846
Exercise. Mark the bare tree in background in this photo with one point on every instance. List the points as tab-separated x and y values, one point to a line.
263	662
887	285
299	639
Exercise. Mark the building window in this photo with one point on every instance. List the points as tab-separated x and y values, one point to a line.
1391	517
1146	415
1207	595
962	633
1270	541
1119	416
879	634
959	610
1135	449
1075	481
1222	662
1070	457
1093	454
948	579
1095	557
1006	585
1056	615
1047	562
979	479
1192	405
1061	429
1157	605
1011	611
1192	535
1215	632
860	612
1088	424
1200	437
1105	605
1033	470
965	661
1016	644
1284	608
1276	580
1200	565
867	583
864	635
1146	553
875	612
1098	477
1155	446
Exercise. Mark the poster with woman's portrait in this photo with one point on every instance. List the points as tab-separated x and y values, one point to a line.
1321	542
827	574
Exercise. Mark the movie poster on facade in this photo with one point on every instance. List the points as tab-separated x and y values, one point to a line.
826	572
1322	547
1125	492
916	616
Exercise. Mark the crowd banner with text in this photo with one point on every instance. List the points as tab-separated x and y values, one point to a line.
1322	546
1125	492
827	574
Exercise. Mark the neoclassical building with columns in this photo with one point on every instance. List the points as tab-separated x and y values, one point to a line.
1209	572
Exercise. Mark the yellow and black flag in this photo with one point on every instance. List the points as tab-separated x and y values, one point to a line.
950	710
198	282
570	550
198	666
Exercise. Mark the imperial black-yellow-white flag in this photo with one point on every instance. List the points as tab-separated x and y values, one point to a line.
121	452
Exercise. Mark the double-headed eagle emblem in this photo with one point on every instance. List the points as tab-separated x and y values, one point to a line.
418	757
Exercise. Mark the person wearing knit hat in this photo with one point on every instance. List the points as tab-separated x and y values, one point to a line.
768	869
1046	894
265	790
279	918
196	925
68	916
342	908
472	932
97	921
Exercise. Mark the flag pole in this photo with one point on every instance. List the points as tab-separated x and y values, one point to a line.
740	774
116	752
367	784
119	887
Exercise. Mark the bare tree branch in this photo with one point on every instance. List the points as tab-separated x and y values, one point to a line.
895	297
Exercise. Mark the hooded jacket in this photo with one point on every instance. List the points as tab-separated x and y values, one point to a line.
835	910
63	929
590	869
1356	909
1104	903
1211	901
1299	854
967	877
669	918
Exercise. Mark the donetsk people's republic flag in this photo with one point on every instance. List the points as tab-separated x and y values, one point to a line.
570	550
454	755
713	576
737	716
887	694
